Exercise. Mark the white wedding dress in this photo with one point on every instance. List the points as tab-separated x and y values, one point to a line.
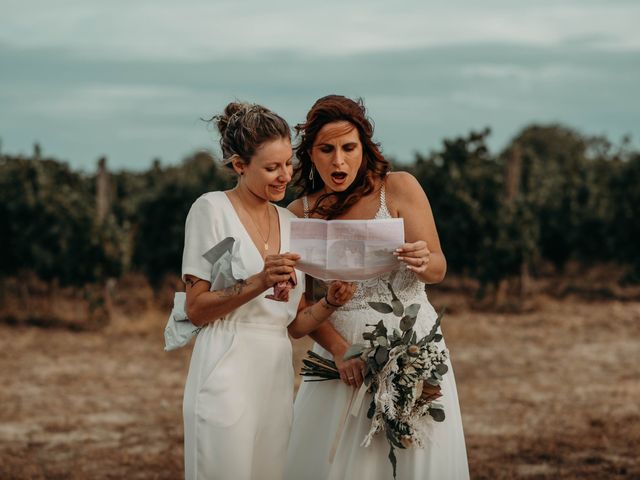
323	448
237	406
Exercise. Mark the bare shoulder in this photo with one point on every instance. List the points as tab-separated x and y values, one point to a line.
296	207
403	186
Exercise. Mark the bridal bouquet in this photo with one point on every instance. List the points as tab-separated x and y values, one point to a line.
402	372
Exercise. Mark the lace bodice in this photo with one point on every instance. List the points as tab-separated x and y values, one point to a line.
351	319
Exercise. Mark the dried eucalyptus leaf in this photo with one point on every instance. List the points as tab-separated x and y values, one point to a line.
381	329
412	310
393	440
407	322
354	351
393	294
381	307
382	341
367	379
436	325
372	410
442	369
437	414
382	355
371	364
398	308
393	460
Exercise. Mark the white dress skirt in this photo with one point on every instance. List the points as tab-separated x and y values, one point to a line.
326	441
238	396
318	427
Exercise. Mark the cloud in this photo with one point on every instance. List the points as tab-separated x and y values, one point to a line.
134	110
195	30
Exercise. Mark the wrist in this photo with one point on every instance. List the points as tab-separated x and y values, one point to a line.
329	303
338	349
262	281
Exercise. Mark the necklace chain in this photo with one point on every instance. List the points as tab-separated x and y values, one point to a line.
266	241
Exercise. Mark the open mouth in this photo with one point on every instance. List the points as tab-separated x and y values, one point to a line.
278	188
338	177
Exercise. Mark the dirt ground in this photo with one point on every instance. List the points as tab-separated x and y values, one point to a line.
551	394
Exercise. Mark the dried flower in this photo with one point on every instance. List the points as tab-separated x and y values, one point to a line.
430	392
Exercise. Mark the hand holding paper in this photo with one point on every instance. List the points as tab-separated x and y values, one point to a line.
346	249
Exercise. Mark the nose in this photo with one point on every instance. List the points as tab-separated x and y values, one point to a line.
338	158
285	174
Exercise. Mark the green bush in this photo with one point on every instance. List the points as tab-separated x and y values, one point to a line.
575	198
47	215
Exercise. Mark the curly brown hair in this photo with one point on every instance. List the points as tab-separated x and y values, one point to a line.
245	127
335	108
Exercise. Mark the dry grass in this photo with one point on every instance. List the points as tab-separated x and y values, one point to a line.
545	395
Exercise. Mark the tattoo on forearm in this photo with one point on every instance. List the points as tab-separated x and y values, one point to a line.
309	312
234	290
191	282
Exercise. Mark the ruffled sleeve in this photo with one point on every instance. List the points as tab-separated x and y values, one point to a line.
202	231
226	264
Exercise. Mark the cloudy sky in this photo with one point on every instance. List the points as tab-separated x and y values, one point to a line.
131	80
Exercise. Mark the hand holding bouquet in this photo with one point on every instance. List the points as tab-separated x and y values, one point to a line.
402	372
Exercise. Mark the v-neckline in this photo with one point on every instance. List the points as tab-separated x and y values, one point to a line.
246	232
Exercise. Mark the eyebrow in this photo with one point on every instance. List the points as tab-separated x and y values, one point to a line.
290	159
348	144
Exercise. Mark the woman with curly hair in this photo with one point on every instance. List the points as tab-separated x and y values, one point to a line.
343	175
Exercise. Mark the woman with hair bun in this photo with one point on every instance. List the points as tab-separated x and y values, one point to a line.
343	175
238	396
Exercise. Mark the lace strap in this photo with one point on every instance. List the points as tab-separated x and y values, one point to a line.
383	211
305	205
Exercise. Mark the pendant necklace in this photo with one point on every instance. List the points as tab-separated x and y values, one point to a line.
266	241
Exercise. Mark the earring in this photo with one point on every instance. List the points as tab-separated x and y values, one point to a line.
311	177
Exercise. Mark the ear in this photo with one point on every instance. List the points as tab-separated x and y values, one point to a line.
238	164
